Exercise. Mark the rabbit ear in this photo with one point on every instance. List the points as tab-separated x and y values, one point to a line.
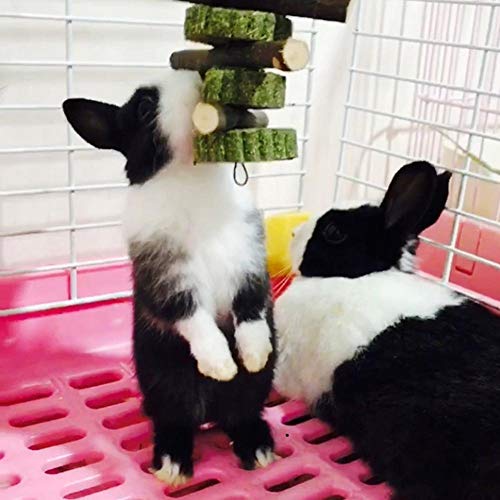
409	198
94	121
438	202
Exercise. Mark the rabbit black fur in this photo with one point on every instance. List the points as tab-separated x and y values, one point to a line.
407	369
203	330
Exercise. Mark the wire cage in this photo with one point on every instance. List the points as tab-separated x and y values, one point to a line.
443	107
66	231
422	83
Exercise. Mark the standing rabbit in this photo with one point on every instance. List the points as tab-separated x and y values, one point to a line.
406	368
203	332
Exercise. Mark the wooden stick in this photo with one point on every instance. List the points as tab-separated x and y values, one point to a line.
208	118
329	10
287	55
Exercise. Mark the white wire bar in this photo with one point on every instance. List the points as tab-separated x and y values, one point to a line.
307	113
279	208
424	41
57	107
409	158
424	83
96	299
108	20
44	149
122	185
480	3
350	85
85	64
92	20
420	121
73	276
68	148
63	189
93	64
62	267
60	229
108	224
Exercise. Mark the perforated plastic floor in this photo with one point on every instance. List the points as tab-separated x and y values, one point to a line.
71	426
84	436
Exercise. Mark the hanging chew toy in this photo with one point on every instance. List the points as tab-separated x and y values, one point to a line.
245	44
235	81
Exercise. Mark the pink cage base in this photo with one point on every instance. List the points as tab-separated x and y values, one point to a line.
70	420
71	426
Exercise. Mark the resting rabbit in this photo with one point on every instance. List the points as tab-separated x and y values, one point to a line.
406	368
203	332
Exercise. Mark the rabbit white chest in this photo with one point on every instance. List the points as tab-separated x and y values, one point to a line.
208	219
321	323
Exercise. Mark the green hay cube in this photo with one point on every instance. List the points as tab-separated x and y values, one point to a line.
233	141
291	144
279	144
216	25
246	145
243	87
251	144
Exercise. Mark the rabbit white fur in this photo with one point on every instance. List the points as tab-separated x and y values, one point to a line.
326	321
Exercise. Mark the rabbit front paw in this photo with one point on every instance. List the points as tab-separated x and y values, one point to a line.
253	339
215	360
222	369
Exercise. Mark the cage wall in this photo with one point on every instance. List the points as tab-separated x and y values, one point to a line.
61	200
403	79
425	84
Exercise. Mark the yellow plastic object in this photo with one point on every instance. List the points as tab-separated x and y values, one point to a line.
279	229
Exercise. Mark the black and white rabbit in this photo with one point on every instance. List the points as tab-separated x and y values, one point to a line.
406	368
203	331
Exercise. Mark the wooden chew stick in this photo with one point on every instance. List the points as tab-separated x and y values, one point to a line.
286	55
208	118
329	10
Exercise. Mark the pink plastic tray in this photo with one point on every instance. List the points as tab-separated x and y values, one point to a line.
71	426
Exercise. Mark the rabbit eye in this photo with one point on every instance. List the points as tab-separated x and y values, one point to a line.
333	234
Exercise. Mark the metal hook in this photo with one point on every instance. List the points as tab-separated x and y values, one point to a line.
235	174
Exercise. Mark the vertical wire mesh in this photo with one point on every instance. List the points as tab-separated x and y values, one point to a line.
62	279
424	84
307	114
73	276
474	125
